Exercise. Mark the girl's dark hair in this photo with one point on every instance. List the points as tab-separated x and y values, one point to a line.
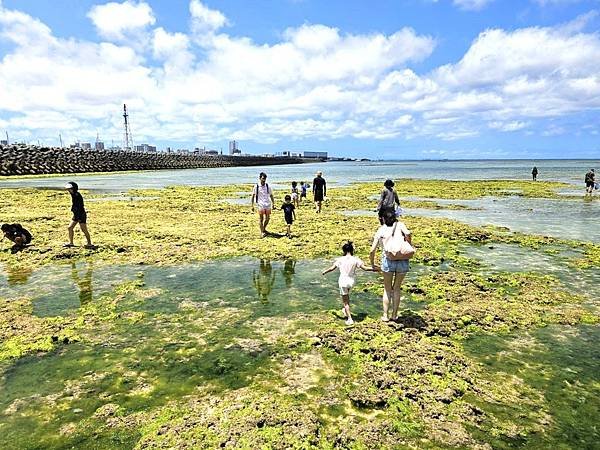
74	185
389	218
348	248
5	227
294	183
388	184
287	198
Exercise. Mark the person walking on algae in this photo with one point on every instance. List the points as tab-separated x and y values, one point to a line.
393	237
534	173
388	200
347	266
79	216
303	188
319	190
590	183
16	234
295	194
262	195
289	213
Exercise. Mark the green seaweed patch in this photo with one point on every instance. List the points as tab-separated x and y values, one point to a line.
22	333
243	418
185	224
413	384
462	303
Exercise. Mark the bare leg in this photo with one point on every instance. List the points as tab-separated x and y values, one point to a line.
397	283
346	301
86	233
71	229
260	223
388	293
289	230
266	222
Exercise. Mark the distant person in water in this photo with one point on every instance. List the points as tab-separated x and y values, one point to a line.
79	215
16	234
534	173
289	214
347	266
319	190
387	200
262	195
590	182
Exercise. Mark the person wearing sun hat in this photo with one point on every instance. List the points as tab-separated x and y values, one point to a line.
79	215
319	190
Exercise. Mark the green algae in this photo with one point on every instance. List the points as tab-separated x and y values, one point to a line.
164	362
180	225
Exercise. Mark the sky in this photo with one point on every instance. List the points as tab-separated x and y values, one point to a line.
380	79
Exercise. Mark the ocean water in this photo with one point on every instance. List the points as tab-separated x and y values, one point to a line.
336	173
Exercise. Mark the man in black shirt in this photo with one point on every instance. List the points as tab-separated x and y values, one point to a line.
319	190
79	215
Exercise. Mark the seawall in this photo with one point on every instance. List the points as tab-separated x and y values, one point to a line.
33	160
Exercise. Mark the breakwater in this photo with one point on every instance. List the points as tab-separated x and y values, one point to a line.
33	160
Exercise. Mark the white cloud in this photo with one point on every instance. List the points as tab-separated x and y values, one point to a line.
473	5
508	126
117	20
205	20
315	82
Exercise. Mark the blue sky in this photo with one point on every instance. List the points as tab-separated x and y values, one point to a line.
381	79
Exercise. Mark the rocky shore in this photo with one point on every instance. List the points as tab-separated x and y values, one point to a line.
33	160
172	346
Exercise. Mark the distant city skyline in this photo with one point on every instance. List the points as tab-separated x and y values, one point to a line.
388	79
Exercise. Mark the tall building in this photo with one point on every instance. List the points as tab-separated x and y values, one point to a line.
99	145
233	148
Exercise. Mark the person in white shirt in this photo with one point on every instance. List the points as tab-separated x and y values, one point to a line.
394	271
262	195
347	265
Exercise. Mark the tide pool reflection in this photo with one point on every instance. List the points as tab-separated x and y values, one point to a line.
263	280
17	275
288	271
84	283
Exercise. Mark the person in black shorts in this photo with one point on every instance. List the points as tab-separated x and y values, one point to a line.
17	234
79	215
289	212
387	200
319	190
590	182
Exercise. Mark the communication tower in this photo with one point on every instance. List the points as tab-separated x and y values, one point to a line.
127	137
